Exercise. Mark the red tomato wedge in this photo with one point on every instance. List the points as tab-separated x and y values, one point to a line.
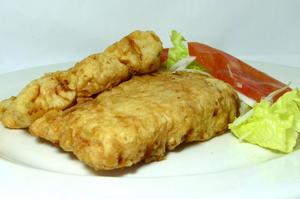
164	55
244	78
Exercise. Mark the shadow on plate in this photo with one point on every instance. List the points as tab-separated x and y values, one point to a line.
116	172
110	173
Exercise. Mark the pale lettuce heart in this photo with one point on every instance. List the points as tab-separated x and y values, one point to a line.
274	126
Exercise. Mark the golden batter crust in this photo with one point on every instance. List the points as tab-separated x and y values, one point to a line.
141	119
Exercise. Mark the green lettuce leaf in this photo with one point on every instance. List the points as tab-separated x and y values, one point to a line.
274	126
178	51
195	66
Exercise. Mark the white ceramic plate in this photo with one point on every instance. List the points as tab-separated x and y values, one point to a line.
222	167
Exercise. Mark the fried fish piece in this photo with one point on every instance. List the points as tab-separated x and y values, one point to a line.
141	119
138	53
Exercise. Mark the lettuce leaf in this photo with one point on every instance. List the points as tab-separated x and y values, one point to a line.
178	51
274	126
195	66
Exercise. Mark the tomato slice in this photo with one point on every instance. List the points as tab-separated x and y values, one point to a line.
164	55
244	78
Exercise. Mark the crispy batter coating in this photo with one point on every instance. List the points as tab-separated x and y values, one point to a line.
141	119
137	53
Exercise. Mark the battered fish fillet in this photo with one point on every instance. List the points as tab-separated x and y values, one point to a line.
141	119
137	53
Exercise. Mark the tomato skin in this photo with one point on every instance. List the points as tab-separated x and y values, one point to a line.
244	78
164	55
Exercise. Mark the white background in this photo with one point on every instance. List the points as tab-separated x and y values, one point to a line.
34	33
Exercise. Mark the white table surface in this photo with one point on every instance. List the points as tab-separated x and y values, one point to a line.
34	33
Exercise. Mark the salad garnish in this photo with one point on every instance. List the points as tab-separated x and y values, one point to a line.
179	58
275	126
269	123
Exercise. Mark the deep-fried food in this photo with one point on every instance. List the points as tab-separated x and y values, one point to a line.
137	53
141	119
